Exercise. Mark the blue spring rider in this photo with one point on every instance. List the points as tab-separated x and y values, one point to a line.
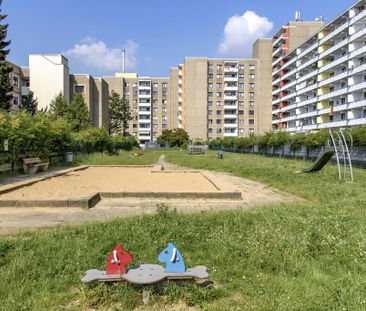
173	259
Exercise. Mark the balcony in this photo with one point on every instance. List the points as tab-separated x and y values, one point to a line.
357	104
334	48
357	87
231	88
144	112
308	63
142	104
357	17
143	95
334	63
230	78
231	134
358	121
230	97
307	102
24	90
145	121
334	94
230	116
333	124
307	50
230	125
333	79
333	33
307	89
231	69
308	76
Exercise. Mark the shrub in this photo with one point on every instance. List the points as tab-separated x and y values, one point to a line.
278	139
316	139
297	141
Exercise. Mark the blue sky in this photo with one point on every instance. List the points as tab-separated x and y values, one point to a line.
157	34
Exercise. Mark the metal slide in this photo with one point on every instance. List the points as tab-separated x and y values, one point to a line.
322	159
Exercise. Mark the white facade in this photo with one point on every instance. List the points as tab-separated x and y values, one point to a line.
48	75
322	83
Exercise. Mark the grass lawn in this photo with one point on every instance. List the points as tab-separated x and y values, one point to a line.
303	256
123	158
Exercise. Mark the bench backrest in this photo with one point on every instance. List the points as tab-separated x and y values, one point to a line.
31	160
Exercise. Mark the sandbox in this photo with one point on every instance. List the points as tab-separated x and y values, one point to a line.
86	186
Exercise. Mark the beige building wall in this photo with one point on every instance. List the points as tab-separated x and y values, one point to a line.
300	31
195	97
49	76
173	98
262	50
20	82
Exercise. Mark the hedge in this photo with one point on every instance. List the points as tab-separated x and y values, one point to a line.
281	138
41	136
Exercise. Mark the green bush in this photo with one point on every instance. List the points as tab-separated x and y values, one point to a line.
278	139
358	135
316	139
297	141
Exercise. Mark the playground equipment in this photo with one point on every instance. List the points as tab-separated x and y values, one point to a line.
338	146
147	273
220	154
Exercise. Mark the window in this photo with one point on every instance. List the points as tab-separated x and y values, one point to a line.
127	84
218	103
218	112
16	101
155	117
165	126
134	126
79	89
251	94
251	85
210	85
241	67
209	94
210	103
241	103
251	104
164	101
219	85
164	93
155	126
134	84
343	116
165	110
209	121
218	67
241	131
210	130
251	112
155	84
155	101
164	118
218	94
135	101
251	121
165	85
251	131
210	75
251	67
210	112
155	93
252	76
16	81
218	76
241	94
218	121
134	93
241	85
241	112
241	76
155	109
218	131
241	121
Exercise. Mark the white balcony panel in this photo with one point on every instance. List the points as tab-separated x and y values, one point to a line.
145	113
334	48
307	102
307	89
230	125
333	124
357	104
230	116
235	134
145	121
144	95
340	107
308	76
357	87
359	121
333	33
334	63
308	114
309	49
228	97
324	111
231	79
357	17
231	88
333	94
333	79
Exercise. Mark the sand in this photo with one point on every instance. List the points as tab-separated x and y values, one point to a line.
84	183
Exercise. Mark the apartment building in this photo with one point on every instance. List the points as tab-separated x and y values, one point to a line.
225	97
321	83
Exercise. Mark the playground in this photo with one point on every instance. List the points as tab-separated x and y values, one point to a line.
297	254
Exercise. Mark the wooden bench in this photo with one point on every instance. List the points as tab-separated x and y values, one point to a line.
32	165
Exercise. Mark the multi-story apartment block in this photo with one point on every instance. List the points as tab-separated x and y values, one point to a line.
321	83
225	97
19	78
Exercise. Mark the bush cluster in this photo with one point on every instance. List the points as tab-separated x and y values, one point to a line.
295	141
42	135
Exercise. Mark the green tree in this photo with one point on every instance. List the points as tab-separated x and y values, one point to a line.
29	104
59	107
5	68
78	114
175	138
119	114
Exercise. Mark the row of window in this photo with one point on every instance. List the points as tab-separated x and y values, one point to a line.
153	93
240	94
220	121
240	103
240	76
240	112
241	67
240	85
147	101
146	84
219	131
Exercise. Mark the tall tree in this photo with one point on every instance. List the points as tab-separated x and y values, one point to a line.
119	114
78	114
5	69
59	107
29	104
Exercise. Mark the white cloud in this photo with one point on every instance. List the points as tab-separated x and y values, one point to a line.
241	31
97	55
